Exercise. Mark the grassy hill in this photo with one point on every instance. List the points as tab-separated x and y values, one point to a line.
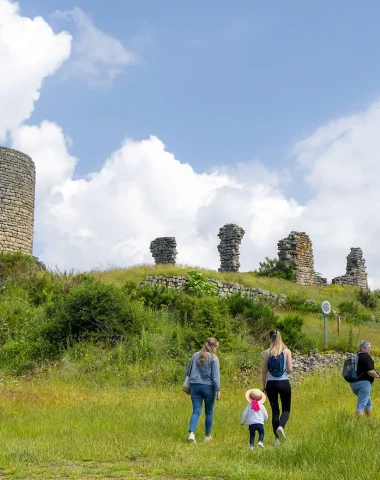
92	368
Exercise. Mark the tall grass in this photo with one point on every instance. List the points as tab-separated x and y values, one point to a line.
52	428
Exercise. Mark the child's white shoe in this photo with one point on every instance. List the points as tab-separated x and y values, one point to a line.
251	447
207	438
260	444
191	437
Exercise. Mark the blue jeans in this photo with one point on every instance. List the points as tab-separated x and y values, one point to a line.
363	391
253	428
198	394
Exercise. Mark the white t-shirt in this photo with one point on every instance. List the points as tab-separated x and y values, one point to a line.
251	416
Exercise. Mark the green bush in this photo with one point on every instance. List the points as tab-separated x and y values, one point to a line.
300	305
367	298
94	310
291	330
199	284
276	268
353	313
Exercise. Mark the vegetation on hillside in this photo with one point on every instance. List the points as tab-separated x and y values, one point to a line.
106	327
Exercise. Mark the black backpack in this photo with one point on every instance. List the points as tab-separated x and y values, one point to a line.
276	365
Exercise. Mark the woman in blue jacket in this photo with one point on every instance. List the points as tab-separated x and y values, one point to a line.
204	374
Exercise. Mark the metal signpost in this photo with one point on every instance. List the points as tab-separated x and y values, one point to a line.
326	309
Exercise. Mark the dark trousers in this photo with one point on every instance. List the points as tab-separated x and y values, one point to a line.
255	427
275	388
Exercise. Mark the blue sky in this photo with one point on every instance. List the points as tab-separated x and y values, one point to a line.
219	82
168	118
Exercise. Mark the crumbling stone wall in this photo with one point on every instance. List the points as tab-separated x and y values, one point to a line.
230	238
297	249
164	250
224	289
355	271
17	188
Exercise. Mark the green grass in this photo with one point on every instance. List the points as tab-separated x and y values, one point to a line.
56	429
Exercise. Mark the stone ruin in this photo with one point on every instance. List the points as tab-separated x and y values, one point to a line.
355	271
230	238
297	248
164	250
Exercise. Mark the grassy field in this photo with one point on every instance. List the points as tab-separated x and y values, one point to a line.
52	429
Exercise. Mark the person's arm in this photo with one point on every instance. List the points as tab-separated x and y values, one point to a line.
215	375
244	416
265	370
373	373
370	366
265	413
189	367
289	362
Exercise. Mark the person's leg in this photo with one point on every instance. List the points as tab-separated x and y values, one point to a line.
363	391
252	431
209	395
260	429
272	392
286	400
196	399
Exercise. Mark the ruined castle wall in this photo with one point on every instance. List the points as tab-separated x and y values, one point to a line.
230	238
355	270
17	188
164	250
297	249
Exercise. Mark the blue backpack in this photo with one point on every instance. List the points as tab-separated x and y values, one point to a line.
276	365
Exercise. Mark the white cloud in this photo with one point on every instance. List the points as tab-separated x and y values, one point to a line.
97	57
29	52
140	193
342	167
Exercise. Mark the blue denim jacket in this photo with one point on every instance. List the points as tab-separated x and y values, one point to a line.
206	374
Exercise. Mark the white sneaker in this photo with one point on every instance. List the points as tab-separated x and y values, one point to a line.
260	444
207	438
251	448
276	442
191	437
280	432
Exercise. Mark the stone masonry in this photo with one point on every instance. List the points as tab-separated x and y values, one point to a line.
224	289
164	250
297	248
230	238
355	271
17	186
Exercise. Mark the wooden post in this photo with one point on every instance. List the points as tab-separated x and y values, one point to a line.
338	325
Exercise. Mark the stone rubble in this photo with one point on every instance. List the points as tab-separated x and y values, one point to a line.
230	238
355	271
164	250
17	187
297	249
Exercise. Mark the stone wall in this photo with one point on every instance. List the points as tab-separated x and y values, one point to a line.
17	187
297	249
355	271
230	239
164	250
178	282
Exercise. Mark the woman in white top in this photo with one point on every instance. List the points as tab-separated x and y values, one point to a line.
277	365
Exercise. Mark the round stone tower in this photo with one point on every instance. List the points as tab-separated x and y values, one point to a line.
17	185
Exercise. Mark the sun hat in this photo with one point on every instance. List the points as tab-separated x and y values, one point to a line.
255	394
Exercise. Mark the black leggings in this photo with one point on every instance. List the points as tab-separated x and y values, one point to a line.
274	388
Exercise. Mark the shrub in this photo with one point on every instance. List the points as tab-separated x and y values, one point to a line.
353	314
259	316
299	304
276	268
199	284
291	330
367	298
94	310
